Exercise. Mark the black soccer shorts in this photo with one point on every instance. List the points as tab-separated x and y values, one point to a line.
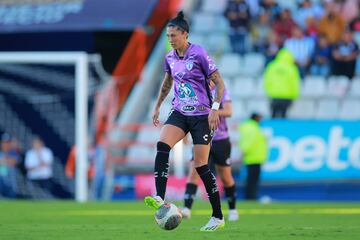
220	152
198	126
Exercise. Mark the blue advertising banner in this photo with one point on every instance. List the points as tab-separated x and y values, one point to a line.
312	150
73	15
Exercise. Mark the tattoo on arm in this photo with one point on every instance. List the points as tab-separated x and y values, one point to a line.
216	78
165	89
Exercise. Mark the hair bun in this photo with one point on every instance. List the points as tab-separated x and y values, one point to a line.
180	15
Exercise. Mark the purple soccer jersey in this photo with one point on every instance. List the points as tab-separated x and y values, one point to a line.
190	75
222	131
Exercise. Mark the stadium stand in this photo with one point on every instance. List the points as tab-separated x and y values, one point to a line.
322	98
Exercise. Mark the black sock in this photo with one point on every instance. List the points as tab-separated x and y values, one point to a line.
209	181
230	193
190	192
161	170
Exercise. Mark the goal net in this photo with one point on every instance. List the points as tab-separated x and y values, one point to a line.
47	94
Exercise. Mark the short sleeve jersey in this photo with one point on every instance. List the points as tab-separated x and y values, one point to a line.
222	131
192	95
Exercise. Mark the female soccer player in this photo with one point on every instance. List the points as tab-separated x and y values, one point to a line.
191	69
220	157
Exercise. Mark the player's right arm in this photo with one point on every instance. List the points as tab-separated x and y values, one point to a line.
226	111
164	91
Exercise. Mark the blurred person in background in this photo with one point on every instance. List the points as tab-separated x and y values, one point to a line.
311	29
260	31
238	14
284	25
281	83
350	10
272	47
9	158
321	60
345	54
331	25
254	6
18	148
302	48
254	148
39	164
307	10
190	69
219	158
271	7
355	24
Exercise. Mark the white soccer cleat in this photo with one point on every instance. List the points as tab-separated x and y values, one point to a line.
213	225
186	213
233	215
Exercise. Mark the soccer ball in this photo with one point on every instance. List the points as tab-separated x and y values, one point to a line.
168	216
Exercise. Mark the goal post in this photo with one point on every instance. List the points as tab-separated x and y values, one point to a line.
80	61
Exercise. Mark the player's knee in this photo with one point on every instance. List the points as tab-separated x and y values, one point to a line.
163	147
193	177
228	181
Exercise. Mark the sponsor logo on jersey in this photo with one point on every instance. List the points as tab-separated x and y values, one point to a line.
212	66
186	90
180	75
201	108
188	108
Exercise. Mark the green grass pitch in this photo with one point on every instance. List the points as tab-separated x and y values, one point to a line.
133	221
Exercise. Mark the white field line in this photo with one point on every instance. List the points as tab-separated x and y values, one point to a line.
282	211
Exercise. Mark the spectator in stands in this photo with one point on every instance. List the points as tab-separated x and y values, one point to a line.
38	162
18	148
311	29
302	48
260	31
281	83
254	148
321	60
272	47
306	11
8	161
284	25
345	54
271	7
238	14
331	25
350	10
355	24
254	6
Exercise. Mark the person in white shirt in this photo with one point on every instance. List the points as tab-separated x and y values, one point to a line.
38	163
302	48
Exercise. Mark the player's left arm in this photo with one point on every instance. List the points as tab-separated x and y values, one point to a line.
220	86
213	118
226	111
